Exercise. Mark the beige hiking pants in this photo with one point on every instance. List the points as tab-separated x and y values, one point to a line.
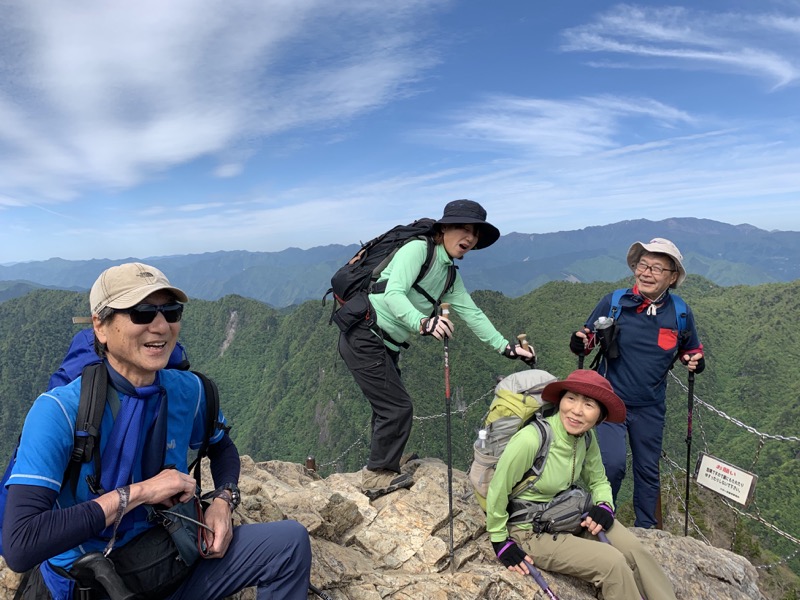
624	571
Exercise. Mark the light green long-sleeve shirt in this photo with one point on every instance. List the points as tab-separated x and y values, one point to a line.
568	461
400	308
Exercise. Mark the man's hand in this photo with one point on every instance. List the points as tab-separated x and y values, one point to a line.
218	518
169	487
579	342
694	362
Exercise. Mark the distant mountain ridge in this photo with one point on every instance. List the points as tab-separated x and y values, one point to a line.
517	264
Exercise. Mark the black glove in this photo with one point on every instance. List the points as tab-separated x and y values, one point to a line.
577	345
602	516
508	552
436	326
511	352
428	325
701	365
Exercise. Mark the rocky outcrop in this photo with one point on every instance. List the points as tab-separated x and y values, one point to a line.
397	547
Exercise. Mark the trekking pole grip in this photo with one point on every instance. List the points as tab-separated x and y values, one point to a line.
444	308
523	340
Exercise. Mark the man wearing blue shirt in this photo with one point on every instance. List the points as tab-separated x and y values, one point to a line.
646	343
136	316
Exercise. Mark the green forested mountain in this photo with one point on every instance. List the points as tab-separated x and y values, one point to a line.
288	394
515	265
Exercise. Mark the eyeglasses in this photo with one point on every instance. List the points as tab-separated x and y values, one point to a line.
144	314
656	270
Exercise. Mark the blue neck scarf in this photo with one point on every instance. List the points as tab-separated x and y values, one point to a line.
120	451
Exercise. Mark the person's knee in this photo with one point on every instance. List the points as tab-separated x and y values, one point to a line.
615	561
406	412
302	543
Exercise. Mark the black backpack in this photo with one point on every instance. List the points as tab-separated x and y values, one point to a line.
94	390
360	274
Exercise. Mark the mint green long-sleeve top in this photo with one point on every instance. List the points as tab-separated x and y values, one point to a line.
400	308
568	462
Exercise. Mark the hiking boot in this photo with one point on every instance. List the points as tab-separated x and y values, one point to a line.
379	482
408	457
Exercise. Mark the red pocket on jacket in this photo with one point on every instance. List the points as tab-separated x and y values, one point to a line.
667	338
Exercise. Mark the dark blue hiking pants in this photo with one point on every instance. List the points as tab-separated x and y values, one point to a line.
274	557
644	427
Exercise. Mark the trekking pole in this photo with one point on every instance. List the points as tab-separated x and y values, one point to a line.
445	308
319	592
688	453
522	338
537	576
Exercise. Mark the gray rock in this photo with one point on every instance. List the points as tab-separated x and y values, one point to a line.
398	546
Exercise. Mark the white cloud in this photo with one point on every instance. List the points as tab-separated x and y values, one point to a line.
546	127
106	95
686	38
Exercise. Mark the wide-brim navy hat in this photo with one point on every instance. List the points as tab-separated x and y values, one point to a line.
459	212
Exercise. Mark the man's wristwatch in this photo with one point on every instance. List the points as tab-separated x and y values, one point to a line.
230	493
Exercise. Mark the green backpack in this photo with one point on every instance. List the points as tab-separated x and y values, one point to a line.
517	402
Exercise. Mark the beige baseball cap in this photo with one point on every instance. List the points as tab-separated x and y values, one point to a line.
127	285
658	246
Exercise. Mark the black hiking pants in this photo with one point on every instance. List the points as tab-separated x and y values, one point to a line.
375	369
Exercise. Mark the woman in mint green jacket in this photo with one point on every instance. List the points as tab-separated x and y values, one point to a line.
625	570
371	351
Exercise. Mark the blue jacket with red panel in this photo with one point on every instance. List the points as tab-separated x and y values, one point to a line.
648	345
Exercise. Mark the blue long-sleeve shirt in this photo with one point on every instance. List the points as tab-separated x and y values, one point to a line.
45	521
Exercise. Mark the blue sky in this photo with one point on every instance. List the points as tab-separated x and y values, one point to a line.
154	128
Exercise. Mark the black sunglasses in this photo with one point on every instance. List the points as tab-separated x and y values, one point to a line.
144	314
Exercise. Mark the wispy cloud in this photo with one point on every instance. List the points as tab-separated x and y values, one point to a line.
106	95
546	127
679	37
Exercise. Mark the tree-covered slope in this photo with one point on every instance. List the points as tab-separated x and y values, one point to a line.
288	394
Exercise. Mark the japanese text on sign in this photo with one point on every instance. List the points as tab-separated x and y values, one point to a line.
725	479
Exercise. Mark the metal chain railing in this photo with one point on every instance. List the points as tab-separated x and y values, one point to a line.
461	409
737	422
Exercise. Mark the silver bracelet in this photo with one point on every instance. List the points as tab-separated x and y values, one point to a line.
124	496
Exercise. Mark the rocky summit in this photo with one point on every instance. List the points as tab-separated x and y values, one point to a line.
398	546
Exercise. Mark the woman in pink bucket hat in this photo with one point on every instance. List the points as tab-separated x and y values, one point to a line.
623	570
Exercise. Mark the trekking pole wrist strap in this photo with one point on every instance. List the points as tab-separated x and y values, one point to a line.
605	506
124	493
509	543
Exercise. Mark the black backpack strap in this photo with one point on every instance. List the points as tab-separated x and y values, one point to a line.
86	443
426	266
212	424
